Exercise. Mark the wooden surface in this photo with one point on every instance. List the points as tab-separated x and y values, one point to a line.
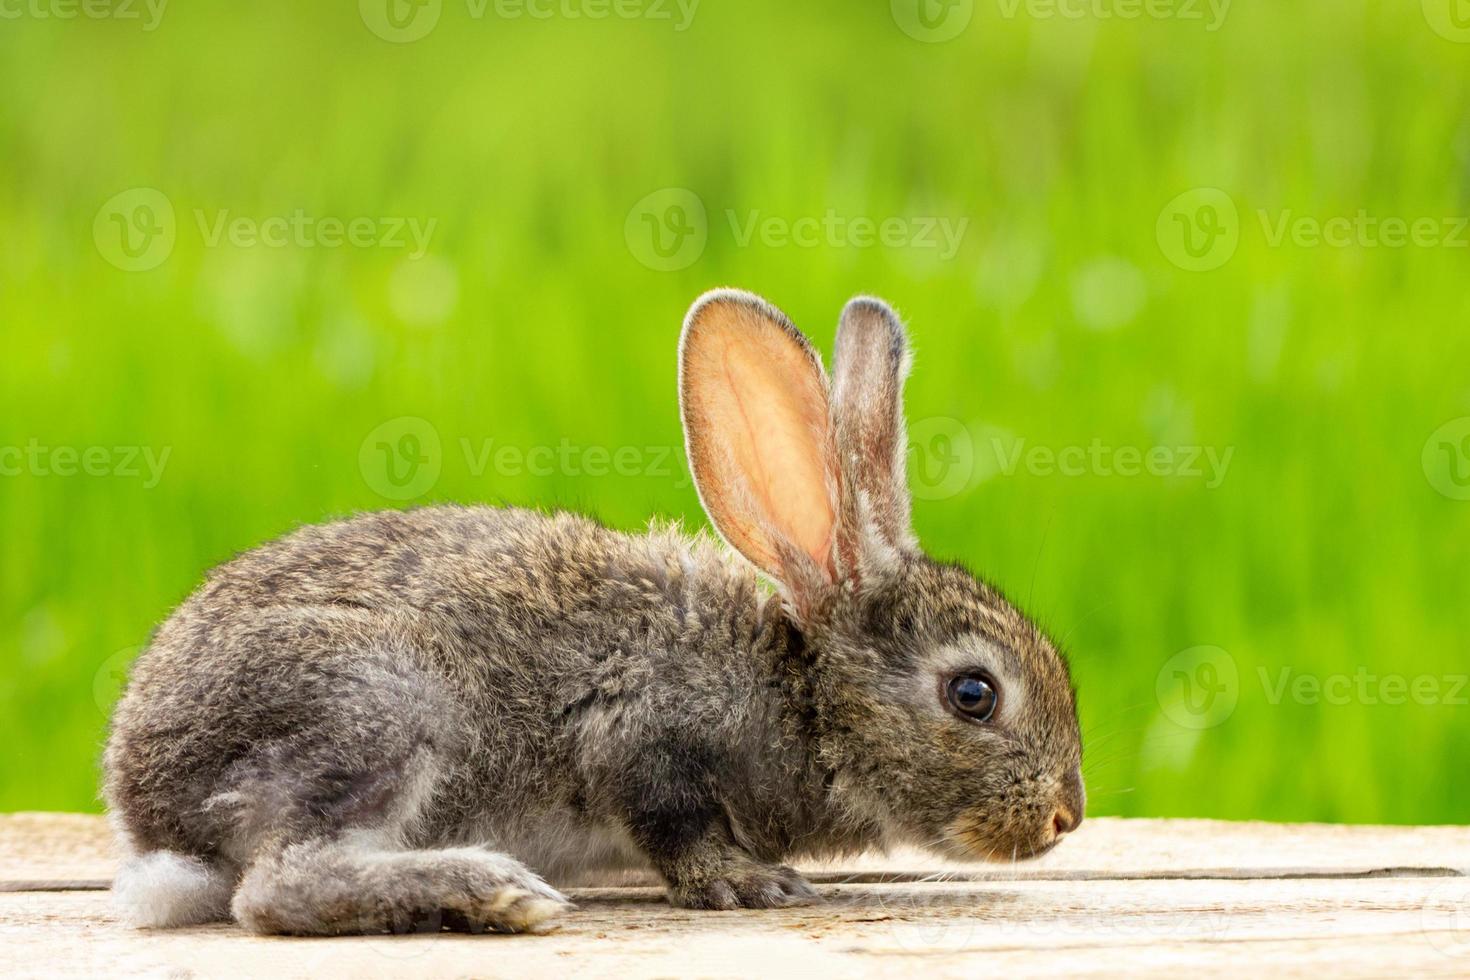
1135	897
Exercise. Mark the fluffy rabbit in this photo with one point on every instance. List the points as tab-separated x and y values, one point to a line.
412	719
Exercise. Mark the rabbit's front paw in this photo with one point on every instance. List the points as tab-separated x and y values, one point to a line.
746	886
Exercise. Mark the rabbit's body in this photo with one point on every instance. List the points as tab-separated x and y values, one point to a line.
407	719
530	682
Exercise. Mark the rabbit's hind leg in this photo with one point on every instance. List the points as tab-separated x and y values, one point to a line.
358	884
325	819
336	861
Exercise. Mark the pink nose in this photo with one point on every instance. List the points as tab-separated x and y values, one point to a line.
1063	821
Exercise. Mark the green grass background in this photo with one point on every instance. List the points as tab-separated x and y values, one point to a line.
1060	321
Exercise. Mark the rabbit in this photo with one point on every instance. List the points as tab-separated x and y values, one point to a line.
424	718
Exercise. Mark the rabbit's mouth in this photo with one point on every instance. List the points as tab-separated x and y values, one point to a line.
973	840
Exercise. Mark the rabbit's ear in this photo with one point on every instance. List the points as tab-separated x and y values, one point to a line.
869	369
757	427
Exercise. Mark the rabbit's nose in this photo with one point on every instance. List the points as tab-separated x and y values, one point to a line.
1070	806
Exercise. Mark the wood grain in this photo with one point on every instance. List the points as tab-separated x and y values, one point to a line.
1135	897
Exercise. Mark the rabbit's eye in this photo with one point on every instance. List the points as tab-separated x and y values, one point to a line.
974	696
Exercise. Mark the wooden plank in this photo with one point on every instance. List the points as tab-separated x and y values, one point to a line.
1141	897
1353	928
55	847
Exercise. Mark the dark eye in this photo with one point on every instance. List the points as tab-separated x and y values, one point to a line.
974	696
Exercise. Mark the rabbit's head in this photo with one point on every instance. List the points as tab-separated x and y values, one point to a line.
942	713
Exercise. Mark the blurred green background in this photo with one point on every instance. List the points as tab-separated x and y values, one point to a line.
1130	268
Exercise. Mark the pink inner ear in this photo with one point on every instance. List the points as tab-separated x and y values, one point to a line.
759	435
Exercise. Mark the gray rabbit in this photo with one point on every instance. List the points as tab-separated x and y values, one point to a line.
420	717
